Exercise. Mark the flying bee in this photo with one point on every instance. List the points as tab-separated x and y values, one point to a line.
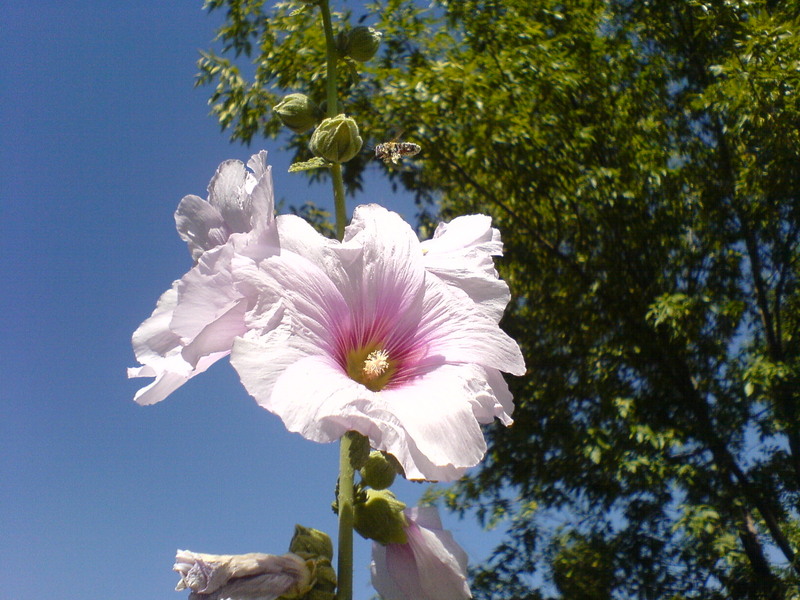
392	152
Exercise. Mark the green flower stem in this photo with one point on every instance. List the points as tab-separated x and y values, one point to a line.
338	200
346	475
333	110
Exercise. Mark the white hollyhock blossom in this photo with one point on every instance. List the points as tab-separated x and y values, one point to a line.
429	566
359	336
196	320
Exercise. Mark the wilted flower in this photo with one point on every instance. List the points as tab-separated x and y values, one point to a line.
242	576
195	321
429	566
368	341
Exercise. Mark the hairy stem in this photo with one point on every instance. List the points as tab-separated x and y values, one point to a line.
345	502
345	499
333	110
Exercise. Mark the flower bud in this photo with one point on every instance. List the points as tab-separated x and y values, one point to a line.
381	518
336	139
360	43
308	541
378	472
298	112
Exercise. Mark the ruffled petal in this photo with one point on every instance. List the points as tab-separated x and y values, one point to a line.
197	320
228	194
261	359
158	349
200	225
460	253
205	293
262	195
239	201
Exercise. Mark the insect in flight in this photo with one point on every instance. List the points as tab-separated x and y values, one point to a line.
392	152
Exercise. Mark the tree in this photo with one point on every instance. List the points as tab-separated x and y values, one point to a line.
641	160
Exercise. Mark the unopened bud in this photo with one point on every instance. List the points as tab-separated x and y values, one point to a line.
308	541
298	112
360	43
381	518
378	472
336	139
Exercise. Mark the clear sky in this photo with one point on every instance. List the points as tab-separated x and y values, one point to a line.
101	134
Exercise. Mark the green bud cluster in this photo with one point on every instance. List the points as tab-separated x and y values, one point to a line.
336	139
316	548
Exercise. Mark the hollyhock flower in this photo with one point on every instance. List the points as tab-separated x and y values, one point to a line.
243	576
429	566
196	320
359	336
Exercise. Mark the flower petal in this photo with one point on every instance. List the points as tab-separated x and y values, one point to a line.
442	437
460	253
430	566
200	225
459	332
388	278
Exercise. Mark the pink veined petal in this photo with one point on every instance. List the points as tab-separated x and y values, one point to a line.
317	307
429	426
440	563
388	278
297	236
331	400
426	516
459	332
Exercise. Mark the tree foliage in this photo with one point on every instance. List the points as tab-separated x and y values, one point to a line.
642	160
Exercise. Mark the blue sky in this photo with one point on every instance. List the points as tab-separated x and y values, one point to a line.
101	134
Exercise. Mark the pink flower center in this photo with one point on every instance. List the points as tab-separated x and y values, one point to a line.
370	366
